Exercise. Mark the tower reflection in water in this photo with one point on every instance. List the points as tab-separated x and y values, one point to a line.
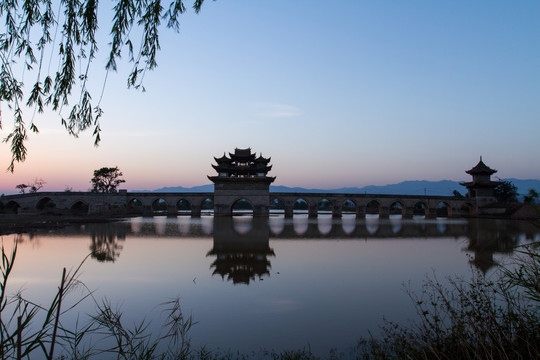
241	247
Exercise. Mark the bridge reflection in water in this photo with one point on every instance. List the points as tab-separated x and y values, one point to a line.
242	250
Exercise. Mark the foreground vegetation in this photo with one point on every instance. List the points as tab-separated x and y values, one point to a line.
463	319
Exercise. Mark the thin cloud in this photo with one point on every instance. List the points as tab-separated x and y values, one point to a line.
135	133
278	111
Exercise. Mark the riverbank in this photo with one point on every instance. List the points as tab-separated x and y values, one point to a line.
13	223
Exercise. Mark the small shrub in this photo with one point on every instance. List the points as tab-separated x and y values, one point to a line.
476	319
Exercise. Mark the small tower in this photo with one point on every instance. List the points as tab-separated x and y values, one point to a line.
242	175
481	187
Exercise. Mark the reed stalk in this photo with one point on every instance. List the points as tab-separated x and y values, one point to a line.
55	328
19	337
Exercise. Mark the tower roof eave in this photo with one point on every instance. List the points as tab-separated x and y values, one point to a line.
262	159
222	167
242	154
254	179
490	184
223	159
481	168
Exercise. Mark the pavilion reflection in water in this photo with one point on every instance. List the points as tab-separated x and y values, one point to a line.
486	240
241	246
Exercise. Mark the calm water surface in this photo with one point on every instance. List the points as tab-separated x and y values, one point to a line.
263	283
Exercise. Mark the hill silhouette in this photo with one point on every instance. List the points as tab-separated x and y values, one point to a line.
411	187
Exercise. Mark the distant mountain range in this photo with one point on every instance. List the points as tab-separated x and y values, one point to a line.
417	187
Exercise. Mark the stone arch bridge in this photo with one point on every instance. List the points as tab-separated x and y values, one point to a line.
148	203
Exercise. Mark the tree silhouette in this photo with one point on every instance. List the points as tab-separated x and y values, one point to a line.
105	245
22	188
531	197
106	179
506	192
32	188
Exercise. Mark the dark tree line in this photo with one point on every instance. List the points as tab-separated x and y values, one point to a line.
506	192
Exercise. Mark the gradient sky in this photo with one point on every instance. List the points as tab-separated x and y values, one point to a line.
345	93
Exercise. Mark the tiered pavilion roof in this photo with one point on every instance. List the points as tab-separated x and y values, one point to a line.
481	174
242	164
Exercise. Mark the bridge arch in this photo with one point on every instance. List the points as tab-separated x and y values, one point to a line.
397	208
348	207
160	206
420	208
135	206
444	210
300	206
79	208
12	207
183	207
373	208
277	206
324	206
207	206
242	206
45	203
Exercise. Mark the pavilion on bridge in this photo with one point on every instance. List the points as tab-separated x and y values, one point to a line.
242	176
481	188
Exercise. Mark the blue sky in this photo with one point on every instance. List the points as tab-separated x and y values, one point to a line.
346	93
